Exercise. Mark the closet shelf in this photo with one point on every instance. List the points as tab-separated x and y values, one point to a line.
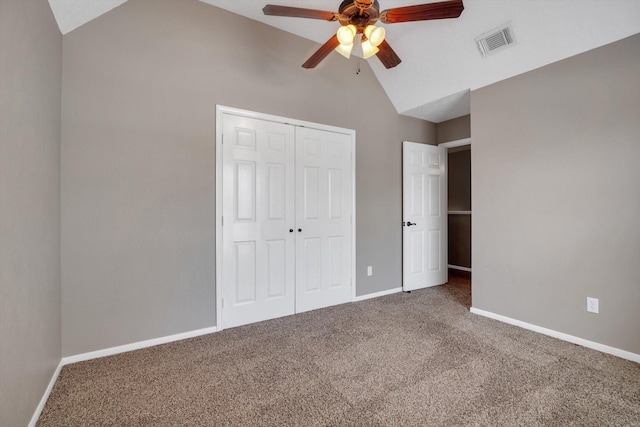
459	212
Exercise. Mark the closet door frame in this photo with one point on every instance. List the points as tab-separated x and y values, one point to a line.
221	110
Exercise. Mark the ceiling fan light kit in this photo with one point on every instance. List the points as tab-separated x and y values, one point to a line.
344	50
346	34
368	49
358	17
372	37
375	34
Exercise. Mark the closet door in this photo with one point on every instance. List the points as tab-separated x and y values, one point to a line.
258	270
324	200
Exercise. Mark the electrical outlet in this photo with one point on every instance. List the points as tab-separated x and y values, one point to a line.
592	305
369	270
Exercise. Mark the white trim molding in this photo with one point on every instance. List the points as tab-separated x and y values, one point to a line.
456	143
109	352
45	396
560	335
136	345
378	294
458	267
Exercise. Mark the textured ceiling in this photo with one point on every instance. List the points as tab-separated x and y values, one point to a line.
70	14
440	60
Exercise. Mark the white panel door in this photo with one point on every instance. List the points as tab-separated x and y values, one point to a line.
258	270
324	200
424	210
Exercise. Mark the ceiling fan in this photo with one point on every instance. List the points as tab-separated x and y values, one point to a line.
357	18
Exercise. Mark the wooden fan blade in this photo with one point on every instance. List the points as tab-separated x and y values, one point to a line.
388	56
322	53
297	12
423	12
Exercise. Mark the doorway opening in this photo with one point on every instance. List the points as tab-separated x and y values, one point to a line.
459	212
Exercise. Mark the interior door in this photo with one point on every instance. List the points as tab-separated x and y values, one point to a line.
324	200
258	270
424	210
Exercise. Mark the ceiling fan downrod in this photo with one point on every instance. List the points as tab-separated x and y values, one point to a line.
363	4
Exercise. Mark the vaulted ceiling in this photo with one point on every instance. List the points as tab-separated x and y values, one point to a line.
441	62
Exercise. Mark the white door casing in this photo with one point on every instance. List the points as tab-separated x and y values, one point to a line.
323	218
424	210
265	268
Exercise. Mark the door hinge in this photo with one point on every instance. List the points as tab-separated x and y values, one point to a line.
222	302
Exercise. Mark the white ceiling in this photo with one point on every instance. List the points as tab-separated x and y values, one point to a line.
440	60
70	14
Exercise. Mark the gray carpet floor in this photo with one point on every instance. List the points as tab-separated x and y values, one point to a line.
418	359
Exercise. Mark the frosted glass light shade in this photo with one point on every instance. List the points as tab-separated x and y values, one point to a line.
368	49
374	34
344	50
346	33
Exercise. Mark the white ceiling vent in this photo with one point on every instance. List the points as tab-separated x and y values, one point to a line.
495	40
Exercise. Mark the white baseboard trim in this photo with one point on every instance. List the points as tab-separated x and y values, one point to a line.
45	396
561	335
108	352
378	294
458	267
136	345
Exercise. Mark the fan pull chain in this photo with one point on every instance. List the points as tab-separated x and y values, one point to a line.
358	67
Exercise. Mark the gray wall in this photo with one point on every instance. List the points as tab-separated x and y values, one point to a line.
459	178
454	129
459	199
30	98
556	199
138	222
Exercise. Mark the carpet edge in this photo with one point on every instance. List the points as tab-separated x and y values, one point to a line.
603	348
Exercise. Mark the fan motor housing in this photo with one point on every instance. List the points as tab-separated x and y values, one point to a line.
359	13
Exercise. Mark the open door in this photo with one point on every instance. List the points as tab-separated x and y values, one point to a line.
424	210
